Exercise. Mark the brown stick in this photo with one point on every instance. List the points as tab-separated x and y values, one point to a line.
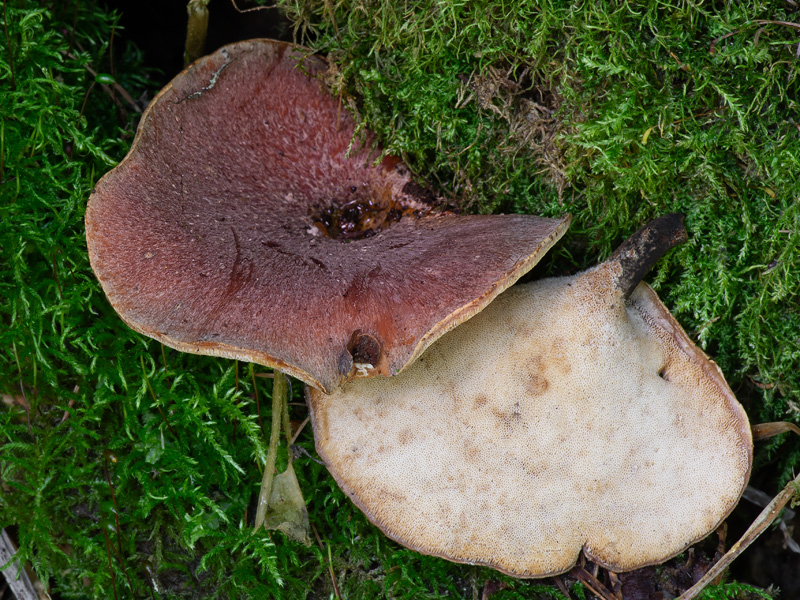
763	521
590	581
764	431
15	574
639	253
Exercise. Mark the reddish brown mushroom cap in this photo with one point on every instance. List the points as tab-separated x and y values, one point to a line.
239	226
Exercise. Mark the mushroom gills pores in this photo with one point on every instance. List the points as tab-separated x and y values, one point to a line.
562	418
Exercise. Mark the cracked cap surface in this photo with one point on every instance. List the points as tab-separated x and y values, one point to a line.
239	226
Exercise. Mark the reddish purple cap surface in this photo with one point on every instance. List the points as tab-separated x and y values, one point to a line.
239	226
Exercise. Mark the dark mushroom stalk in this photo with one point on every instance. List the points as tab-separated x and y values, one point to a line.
637	255
572	415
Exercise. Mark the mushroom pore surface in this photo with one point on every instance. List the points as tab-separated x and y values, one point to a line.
561	418
249	221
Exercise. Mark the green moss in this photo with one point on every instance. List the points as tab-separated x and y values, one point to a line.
98	470
632	110
613	111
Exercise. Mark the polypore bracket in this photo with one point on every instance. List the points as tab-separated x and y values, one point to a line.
245	223
571	415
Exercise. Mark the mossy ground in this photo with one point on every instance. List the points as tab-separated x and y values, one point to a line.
613	111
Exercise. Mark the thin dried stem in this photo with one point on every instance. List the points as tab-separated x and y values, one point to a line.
253	9
196	30
767	516
590	581
15	574
764	431
258	402
279	387
110	565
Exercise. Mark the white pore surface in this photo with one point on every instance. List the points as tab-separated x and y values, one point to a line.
542	427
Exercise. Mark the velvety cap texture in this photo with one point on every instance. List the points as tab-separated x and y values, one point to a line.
248	221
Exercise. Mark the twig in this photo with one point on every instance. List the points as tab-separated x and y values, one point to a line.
330	562
761	499
278	400
299	430
720	38
561	586
590	581
21	585
117	103
247	10
758	527
763	431
756	22
70	404
258	403
637	255
786	23
122	91
616	585
74	25
85	99
300	450
333	575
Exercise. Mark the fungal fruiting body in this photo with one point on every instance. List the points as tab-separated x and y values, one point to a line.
250	221
563	418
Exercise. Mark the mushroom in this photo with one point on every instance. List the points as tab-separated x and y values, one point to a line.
571	415
248	222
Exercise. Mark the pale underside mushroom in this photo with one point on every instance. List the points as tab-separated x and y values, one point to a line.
563	418
249	221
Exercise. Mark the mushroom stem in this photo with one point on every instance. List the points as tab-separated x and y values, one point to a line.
196	30
279	386
287	422
641	251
